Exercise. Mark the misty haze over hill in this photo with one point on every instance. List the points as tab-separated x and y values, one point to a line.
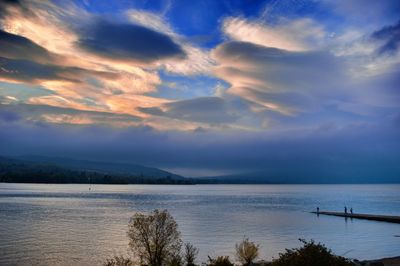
43	169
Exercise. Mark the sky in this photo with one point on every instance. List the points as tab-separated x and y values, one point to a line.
288	89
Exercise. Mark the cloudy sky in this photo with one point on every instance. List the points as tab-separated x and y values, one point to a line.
206	87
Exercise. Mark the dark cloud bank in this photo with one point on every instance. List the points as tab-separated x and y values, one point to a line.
22	60
390	36
128	42
18	47
356	153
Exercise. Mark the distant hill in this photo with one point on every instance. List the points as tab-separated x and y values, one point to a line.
40	169
37	169
104	167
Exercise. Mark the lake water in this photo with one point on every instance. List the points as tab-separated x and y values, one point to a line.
68	224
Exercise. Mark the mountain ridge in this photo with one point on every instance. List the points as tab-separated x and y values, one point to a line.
101	166
63	170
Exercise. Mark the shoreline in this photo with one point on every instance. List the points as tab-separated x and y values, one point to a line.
190	184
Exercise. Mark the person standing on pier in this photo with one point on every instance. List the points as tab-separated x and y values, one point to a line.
317	210
345	210
351	211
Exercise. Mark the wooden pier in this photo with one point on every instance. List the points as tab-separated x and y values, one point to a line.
373	217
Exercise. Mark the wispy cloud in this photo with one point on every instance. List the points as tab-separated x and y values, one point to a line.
274	67
260	75
98	66
293	35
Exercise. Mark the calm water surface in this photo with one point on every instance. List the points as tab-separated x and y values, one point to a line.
67	224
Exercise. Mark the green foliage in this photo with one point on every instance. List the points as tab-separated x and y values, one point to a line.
310	254
155	238
246	252
118	261
220	261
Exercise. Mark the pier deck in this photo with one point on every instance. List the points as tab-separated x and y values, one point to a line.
373	217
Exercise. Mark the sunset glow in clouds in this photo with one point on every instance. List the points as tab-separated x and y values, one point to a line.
200	74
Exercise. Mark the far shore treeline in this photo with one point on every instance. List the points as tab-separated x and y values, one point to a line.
49	170
28	171
59	170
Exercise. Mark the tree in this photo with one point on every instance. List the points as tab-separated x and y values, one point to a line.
154	238
310	254
246	252
190	254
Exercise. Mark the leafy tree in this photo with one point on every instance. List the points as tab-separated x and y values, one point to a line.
190	255
246	252
220	261
154	238
310	254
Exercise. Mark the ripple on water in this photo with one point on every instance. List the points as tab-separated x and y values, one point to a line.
67	224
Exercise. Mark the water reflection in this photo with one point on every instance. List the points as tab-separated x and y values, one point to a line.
65	224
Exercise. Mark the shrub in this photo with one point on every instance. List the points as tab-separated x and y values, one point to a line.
220	261
246	252
118	261
310	254
175	260
154	238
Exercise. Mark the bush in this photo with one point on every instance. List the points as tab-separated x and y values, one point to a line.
220	261
246	252
155	238
175	260
310	254
118	261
